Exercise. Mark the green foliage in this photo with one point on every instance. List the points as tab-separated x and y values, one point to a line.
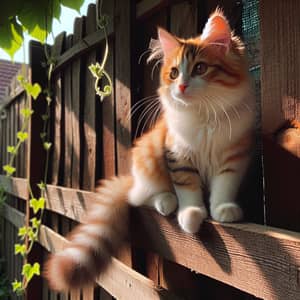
34	17
20	249
9	169
28	270
37	205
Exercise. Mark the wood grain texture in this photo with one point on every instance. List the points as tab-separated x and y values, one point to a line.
280	60
67	131
280	96
57	157
108	154
15	186
123	31
236	254
36	167
89	114
76	107
183	17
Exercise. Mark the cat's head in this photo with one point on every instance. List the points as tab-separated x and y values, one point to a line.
202	68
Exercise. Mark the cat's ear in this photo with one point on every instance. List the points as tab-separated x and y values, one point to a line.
167	41
217	31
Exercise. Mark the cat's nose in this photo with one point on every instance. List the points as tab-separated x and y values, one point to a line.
182	87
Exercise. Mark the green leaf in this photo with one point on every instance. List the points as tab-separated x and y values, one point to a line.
29	271
9	169
22	136
22	232
26	112
41	186
45	117
20	249
47	146
35	223
11	36
31	234
11	149
16	285
35	91
33	18
74	4
36	205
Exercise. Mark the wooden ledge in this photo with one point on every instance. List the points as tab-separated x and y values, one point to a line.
236	254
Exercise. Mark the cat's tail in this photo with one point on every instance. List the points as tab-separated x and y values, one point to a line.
92	243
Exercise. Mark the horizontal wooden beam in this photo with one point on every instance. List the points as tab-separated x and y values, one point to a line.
13	215
14	186
236	254
260	260
119	280
87	44
145	7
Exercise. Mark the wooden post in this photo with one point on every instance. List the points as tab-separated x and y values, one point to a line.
36	153
280	89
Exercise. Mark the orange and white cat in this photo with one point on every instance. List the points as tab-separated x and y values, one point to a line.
203	140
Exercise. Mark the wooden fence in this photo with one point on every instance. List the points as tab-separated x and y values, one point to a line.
91	140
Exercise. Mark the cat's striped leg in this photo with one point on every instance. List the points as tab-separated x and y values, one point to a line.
224	188
188	186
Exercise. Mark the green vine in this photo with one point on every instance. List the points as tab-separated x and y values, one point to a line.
98	70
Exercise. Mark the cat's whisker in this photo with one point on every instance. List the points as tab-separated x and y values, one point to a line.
228	118
135	108
143	115
215	113
148	119
154	66
143	54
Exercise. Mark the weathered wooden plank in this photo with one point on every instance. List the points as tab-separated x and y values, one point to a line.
76	118
15	186
231	253
87	44
123	11
280	87
89	114
184	19
280	96
57	159
67	133
121	281
36	167
108	155
88	150
145	8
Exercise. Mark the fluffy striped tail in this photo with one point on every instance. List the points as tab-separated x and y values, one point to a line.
93	243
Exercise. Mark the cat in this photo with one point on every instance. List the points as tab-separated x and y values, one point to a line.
203	139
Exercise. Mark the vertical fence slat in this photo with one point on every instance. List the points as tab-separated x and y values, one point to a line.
280	95
108	109
123	32
57	159
35	168
76	93
89	114
68	135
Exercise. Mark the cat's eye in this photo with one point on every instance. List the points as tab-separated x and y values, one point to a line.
200	68
174	73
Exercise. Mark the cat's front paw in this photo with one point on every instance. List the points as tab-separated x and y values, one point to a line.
191	218
227	212
165	203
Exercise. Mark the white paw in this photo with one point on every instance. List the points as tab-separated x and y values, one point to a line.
227	212
165	203
191	218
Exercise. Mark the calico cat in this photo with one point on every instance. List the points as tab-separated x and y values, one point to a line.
203	139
